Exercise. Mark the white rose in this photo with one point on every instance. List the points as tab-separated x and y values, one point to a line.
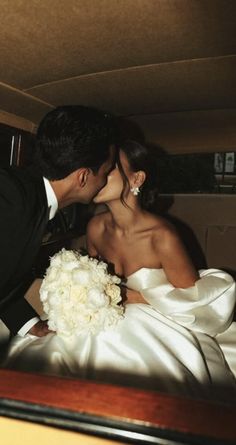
55	261
64	277
52	273
81	276
96	298
43	294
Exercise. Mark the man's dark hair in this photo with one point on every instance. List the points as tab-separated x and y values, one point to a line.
74	136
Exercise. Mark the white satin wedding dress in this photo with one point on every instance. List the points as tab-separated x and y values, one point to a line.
181	342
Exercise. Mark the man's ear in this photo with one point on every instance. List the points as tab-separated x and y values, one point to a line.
82	176
139	178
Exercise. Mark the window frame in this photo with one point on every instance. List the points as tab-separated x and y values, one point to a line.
114	412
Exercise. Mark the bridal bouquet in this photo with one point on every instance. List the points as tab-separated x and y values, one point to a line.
79	295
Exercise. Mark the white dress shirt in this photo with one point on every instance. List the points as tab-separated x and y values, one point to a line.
53	205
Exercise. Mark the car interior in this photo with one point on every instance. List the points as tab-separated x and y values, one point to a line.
167	70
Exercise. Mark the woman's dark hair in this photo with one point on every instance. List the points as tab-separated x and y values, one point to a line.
74	136
142	158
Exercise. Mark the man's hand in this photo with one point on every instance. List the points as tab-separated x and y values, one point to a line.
40	329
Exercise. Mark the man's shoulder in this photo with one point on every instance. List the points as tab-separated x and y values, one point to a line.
13	176
20	188
11	180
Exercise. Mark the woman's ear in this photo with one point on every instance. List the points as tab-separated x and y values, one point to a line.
82	176
139	178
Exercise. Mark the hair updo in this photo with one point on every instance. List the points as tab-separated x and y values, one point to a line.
142	158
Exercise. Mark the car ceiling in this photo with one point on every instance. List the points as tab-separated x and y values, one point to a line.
167	65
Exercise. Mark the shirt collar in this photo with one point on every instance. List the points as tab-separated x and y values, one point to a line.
51	198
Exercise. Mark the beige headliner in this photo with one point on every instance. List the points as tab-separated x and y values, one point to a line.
169	65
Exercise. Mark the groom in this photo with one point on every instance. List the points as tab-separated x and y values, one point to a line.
75	151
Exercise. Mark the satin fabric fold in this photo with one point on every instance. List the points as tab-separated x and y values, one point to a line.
170	344
208	306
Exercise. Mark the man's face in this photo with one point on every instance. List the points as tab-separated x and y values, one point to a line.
96	181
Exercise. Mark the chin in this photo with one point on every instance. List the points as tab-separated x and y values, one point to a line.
99	197
98	200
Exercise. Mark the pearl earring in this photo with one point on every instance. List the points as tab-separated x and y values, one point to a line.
135	190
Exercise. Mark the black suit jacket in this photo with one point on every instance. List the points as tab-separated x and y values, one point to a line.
23	219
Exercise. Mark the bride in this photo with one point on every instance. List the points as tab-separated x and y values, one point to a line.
177	321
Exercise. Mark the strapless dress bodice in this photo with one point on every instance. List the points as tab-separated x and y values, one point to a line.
145	277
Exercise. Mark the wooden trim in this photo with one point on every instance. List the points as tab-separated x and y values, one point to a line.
116	407
17	122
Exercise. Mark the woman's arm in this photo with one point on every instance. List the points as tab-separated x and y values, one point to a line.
175	261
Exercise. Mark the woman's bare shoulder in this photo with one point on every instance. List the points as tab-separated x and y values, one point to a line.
164	232
173	256
97	222
161	226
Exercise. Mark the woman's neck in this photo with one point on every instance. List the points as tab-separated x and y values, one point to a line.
124	219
